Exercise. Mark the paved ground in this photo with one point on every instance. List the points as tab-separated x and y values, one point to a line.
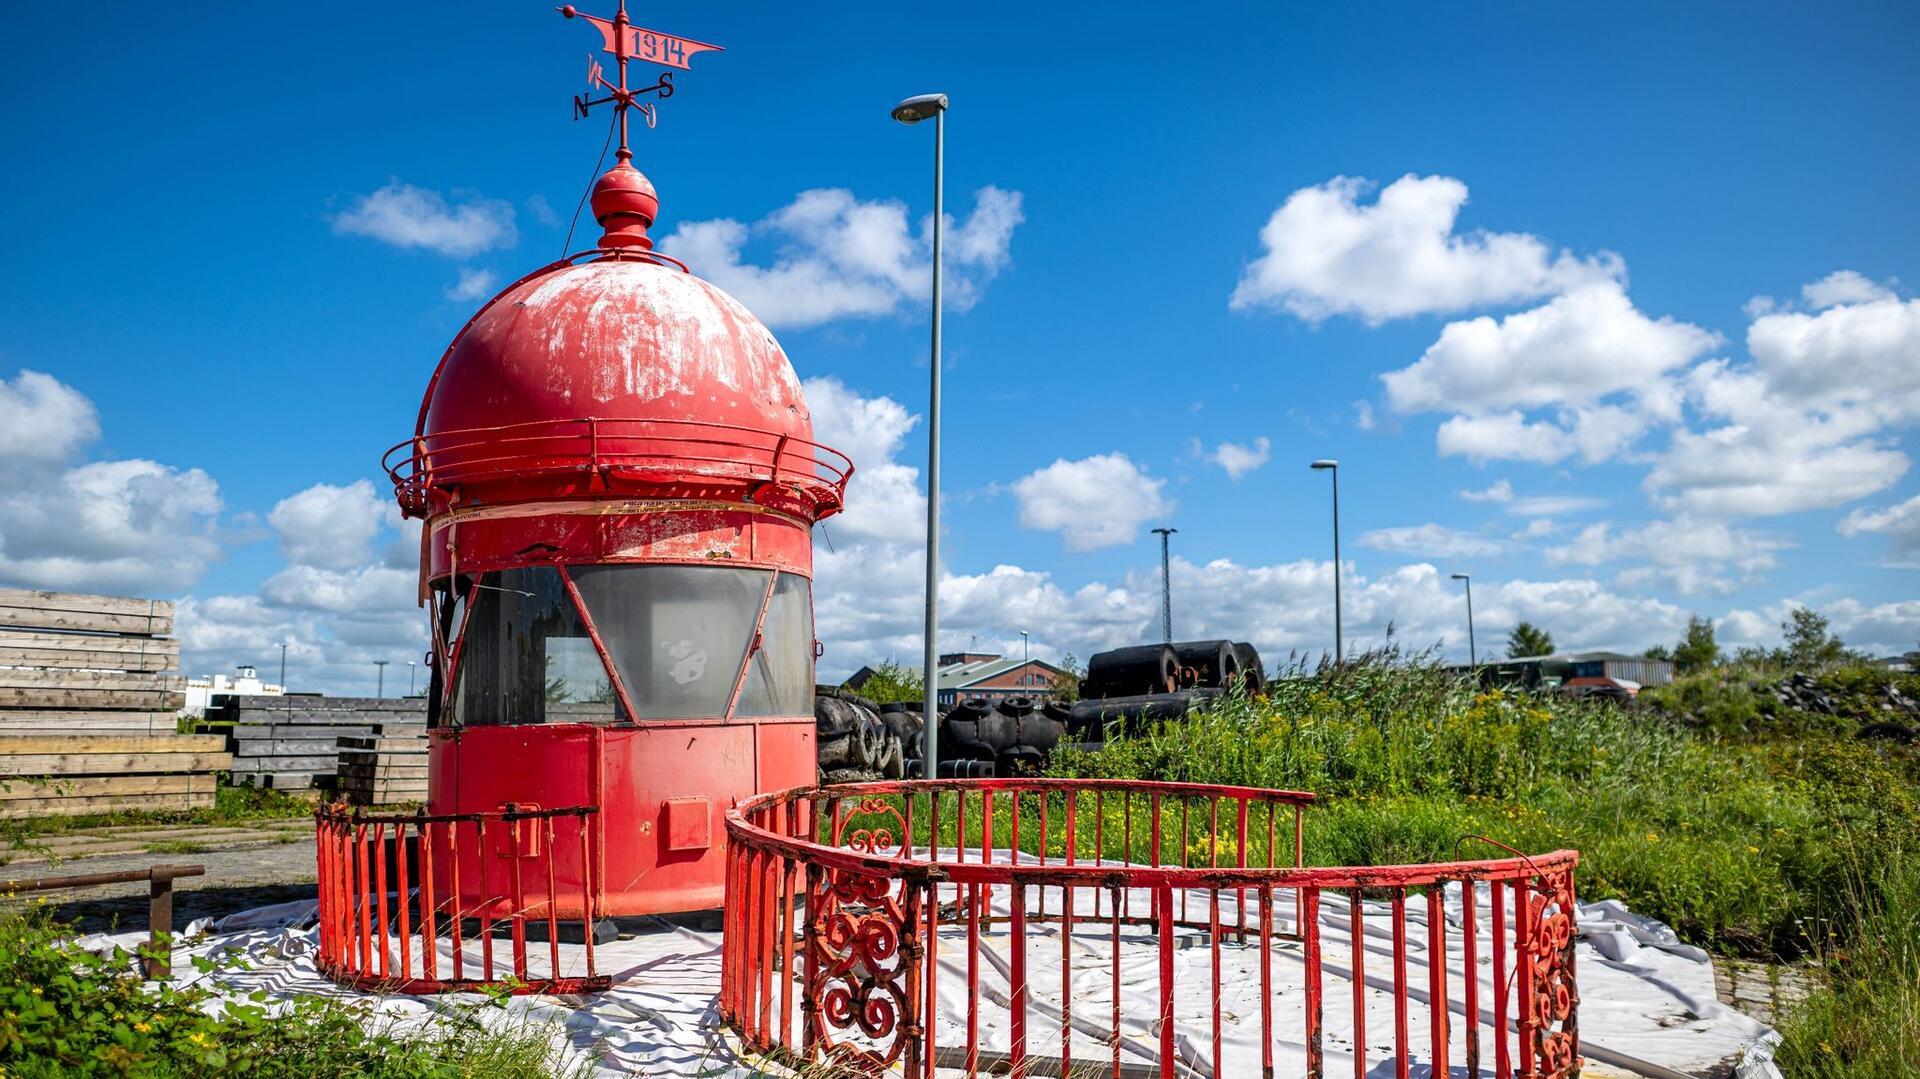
264	862
1761	991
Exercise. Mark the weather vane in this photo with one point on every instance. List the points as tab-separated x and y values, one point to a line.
629	42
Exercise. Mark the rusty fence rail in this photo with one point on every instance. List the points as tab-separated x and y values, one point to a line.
425	903
158	962
1099	927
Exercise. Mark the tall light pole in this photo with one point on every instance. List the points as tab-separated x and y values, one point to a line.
381	685
283	665
912	111
410	666
1473	655
1023	658
1166	585
1332	467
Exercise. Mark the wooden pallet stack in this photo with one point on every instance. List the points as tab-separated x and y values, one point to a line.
387	769
293	742
88	707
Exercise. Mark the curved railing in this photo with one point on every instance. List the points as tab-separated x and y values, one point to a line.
1107	927
397	916
614	452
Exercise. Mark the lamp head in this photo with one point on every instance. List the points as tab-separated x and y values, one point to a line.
1463	577
923	107
1325	463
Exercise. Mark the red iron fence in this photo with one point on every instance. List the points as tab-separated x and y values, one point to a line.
422	903
1101	927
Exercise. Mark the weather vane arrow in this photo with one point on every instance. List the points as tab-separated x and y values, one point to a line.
629	42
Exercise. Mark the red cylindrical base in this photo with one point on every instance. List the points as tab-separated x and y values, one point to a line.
663	788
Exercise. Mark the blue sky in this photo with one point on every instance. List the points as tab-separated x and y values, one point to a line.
207	264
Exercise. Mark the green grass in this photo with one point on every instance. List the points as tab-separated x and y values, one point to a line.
66	1013
1752	829
1864	1023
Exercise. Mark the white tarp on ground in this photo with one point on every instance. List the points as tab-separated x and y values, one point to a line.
1642	992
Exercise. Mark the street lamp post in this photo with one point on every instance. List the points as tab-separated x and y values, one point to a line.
1024	676
912	111
1332	467
1473	655
1166	585
410	667
283	665
380	689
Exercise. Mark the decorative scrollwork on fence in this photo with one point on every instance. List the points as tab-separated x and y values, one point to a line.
1555	998
881	837
860	940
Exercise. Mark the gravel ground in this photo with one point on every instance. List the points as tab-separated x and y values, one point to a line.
235	880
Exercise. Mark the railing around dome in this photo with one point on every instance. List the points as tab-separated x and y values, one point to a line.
641	451
1101	927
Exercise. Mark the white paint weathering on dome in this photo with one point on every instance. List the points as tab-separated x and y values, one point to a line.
652	332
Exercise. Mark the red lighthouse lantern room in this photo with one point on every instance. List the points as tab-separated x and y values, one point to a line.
616	472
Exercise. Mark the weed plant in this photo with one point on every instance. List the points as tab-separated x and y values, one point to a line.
1864	1021
1732	844
66	1012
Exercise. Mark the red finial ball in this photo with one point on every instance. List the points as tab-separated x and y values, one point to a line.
568	11
625	204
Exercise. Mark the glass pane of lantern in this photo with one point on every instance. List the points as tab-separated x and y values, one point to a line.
676	633
527	657
780	675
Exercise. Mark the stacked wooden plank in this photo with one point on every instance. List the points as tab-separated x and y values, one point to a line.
292	742
101	773
383	769
88	700
78	664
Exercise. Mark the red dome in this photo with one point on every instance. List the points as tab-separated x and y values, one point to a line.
621	376
628	339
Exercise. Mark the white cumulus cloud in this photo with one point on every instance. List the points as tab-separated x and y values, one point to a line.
471	285
1098	501
328	526
1326	253
1435	540
414	217
1499	491
837	256
1689	556
1238	460
129	526
43	419
1574	350
1900	523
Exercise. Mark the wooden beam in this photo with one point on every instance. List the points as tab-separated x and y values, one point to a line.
32	721
30	609
15	789
73	806
84	601
61	765
55	678
177	743
31	641
143	700
161	654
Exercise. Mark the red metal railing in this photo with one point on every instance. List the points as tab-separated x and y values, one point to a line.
1044	927
395	913
614	452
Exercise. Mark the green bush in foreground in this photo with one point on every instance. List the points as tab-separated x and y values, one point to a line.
65	1012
